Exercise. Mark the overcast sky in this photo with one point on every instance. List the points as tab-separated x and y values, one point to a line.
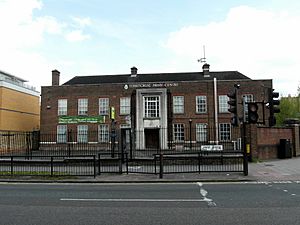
260	39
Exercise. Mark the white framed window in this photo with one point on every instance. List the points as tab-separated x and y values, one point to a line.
247	98
103	133
178	132
223	104
125	106
82	106
103	106
61	134
225	131
82	133
151	107
201	104
201	132
178	104
62	107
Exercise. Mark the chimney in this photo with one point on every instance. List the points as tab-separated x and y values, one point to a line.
205	68
55	77
134	71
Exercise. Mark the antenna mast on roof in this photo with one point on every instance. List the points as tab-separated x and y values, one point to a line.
202	60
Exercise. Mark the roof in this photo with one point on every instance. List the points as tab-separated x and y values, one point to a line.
12	76
156	77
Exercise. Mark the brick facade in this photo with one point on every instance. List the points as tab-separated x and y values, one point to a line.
115	90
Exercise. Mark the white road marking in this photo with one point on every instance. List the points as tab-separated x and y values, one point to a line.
269	182
130	200
204	193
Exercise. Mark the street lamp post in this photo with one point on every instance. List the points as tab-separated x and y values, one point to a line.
190	122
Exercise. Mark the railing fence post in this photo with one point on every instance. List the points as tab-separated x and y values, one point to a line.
99	166
11	165
199	162
161	165
51	166
126	162
94	161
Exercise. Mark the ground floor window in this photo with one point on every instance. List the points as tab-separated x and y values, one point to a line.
201	132
224	131
61	133
103	133
82	133
178	132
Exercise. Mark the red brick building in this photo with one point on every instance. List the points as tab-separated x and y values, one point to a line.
148	110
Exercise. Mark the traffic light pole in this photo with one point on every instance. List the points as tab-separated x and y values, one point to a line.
245	153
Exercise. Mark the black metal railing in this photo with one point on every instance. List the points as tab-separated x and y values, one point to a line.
140	144
81	165
160	164
54	154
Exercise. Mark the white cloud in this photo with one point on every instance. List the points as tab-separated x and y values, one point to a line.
259	43
76	35
21	36
82	22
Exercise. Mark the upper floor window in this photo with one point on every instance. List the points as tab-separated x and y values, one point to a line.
103	106
223	103
224	131
178	104
125	106
62	106
151	106
201	104
82	106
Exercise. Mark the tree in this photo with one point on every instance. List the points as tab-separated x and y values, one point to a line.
289	108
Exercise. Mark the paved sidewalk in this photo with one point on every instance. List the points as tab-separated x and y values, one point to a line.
276	170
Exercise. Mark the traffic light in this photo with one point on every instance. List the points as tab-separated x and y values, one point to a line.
233	107
252	112
273	106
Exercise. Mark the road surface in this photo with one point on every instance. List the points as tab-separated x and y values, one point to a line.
143	204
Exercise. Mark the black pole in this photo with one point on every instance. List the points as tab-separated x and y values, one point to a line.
51	170
190	122
99	165
161	165
245	154
69	142
113	137
11	165
94	162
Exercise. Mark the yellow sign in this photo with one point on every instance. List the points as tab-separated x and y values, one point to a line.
248	148
112	113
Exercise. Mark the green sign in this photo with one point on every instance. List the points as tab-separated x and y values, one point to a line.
81	119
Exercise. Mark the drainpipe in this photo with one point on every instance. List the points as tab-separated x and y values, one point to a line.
216	111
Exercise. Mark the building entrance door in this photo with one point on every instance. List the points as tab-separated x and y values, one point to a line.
126	142
152	138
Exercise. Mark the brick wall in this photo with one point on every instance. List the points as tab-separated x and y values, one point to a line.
268	140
